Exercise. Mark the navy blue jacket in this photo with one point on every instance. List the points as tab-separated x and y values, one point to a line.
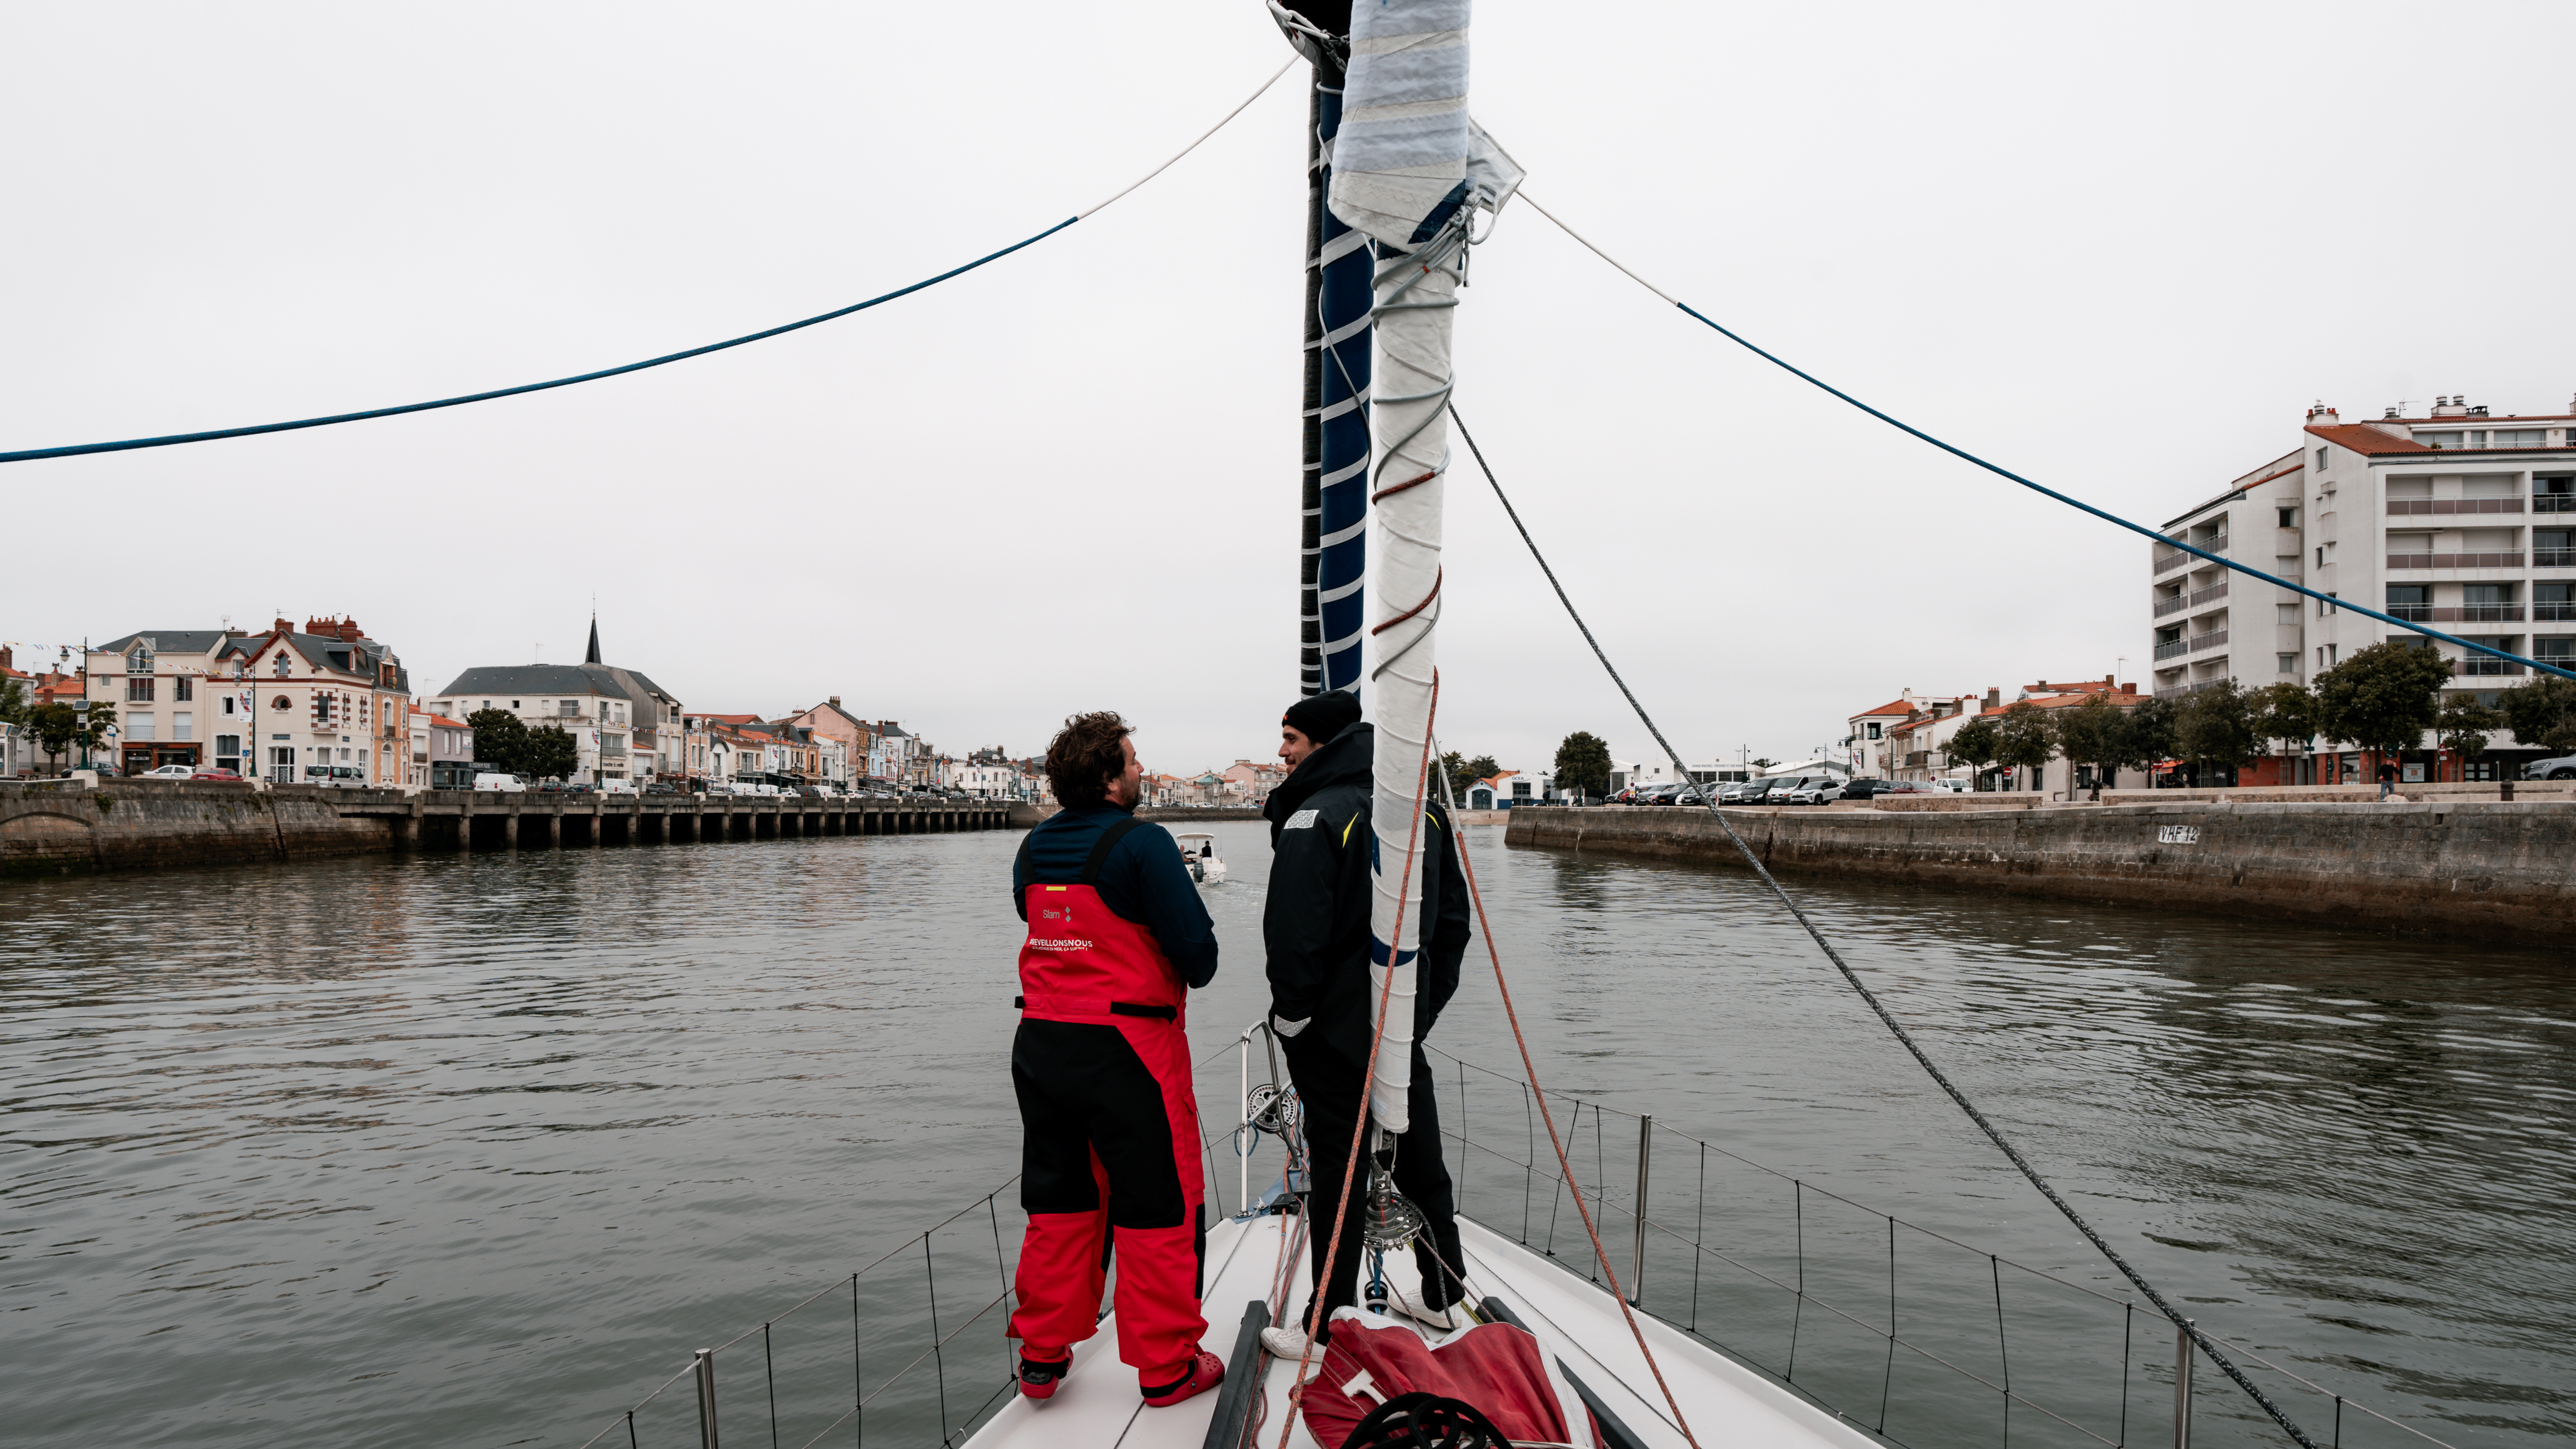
1143	881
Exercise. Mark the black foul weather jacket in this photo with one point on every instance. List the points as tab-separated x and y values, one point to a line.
1315	923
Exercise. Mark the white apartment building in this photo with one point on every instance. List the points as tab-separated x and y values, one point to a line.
2458	519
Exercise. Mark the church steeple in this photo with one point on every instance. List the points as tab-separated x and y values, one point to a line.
593	657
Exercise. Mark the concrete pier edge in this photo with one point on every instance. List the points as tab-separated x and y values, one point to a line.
2461	869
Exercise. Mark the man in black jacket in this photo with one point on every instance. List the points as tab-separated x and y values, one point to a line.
1315	933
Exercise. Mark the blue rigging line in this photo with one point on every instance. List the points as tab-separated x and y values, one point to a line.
2003	472
77	449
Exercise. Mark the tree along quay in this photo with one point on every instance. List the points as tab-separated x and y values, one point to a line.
57	827
2460	869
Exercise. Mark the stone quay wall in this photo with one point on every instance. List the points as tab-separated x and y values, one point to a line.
129	825
52	827
2469	868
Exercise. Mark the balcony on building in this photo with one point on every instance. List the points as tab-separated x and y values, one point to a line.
2444	507
2181	645
2182	599
2211	537
2508	559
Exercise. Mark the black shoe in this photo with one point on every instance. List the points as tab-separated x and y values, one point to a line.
1038	1380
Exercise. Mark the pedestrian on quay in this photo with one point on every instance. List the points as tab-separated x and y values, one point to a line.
1117	938
2387	778
1315	936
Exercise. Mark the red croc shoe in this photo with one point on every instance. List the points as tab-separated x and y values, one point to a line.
1206	1372
1039	1380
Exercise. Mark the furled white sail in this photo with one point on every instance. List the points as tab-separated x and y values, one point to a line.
1409	169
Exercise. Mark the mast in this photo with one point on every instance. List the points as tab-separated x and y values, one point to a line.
1333	489
1410	170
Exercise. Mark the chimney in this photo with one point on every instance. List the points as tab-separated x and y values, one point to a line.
836	701
283	627
2128	689
1994	697
2322	416
2451	407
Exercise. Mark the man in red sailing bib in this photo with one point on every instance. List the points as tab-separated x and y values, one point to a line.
1110	1148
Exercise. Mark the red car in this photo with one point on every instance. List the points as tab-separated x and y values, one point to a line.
216	775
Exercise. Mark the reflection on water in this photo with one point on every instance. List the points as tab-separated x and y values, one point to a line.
468	1150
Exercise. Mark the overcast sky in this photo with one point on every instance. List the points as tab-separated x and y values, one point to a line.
2120	249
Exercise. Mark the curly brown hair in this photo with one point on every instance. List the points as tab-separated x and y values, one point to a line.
1084	757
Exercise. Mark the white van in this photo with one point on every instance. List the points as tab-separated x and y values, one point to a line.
507	784
616	787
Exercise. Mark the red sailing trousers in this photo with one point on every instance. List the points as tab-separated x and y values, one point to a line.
1110	1151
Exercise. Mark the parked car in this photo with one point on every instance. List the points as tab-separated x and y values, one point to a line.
1732	792
2562	768
170	772
1772	789
616	787
216	775
506	783
1866	787
1823	790
660	787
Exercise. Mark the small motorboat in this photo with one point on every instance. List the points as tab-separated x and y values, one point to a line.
1198	848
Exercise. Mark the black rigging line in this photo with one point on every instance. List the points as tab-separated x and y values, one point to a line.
1905	1038
2329	600
29	455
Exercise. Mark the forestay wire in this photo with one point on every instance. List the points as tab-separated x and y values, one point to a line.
29	455
1903	1037
2329	600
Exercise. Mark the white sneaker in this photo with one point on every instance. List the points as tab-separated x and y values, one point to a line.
1445	1320
1286	1341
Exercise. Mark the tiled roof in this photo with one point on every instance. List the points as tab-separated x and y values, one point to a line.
2368	441
1892	707
525	679
2066	701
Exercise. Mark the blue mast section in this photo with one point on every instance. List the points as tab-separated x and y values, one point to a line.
1343	264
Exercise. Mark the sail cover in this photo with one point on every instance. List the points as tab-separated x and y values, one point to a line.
1409	168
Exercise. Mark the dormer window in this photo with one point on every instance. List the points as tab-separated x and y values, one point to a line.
285	666
139	662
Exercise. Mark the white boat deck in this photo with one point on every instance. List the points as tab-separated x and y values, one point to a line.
1576	1323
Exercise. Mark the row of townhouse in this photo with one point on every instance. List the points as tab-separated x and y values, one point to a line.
1908	738
328	704
1243	783
323	703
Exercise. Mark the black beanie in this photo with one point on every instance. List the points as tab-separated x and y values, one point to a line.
1319	717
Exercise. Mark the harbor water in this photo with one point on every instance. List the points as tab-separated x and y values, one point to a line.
474	1150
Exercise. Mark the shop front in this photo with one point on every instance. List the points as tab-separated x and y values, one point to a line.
143	757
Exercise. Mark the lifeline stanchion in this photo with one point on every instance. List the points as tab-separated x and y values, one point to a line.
1637	1263
705	1372
2182	1384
